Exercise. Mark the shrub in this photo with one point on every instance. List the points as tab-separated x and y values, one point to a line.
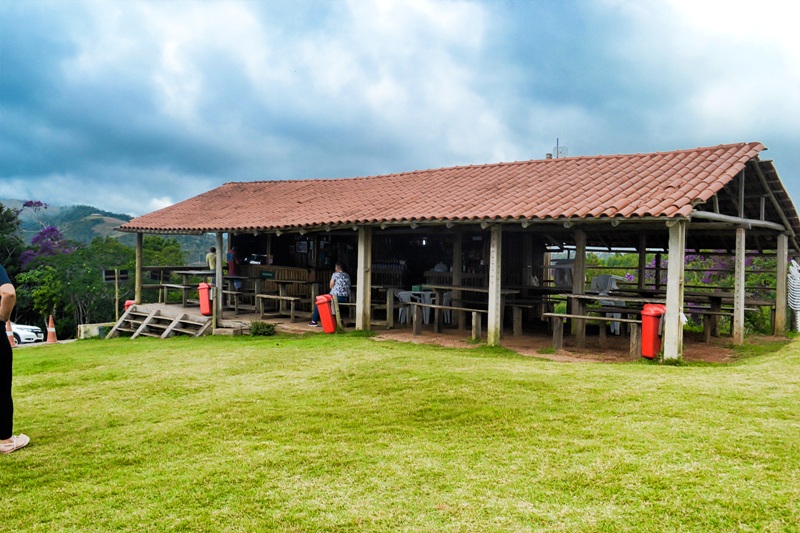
261	329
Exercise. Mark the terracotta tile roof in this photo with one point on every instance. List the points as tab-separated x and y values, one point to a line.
663	184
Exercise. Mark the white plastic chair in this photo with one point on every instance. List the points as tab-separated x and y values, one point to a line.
447	298
604	284
613	326
403	314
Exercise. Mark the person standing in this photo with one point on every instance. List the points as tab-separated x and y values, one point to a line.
340	289
211	258
233	266
8	442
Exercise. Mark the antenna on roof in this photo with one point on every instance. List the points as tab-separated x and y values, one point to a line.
559	151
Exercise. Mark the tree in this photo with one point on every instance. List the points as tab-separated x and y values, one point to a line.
71	285
47	243
11	244
41	290
158	251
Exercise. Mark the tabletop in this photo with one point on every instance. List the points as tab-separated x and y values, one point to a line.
196	272
629	299
483	290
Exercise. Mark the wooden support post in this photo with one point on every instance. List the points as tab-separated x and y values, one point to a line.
738	289
337	312
517	320
389	308
137	291
579	287
364	289
558	333
214	291
635	348
458	267
781	286
494	324
642	261
708	324
217	303
476	326
603	336
715	305
673	323
416	320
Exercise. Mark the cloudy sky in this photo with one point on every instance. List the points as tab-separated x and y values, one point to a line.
133	105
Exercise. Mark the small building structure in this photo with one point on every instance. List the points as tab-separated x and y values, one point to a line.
497	226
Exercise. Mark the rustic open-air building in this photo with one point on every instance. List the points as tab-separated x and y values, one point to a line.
496	224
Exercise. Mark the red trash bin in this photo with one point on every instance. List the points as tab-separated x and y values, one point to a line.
325	315
651	336
204	292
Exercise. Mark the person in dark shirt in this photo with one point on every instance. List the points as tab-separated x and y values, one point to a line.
8	441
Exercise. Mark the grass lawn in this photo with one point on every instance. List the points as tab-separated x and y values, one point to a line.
344	433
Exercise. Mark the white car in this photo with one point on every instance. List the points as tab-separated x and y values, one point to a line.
24	334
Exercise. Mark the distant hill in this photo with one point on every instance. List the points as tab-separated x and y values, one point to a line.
82	223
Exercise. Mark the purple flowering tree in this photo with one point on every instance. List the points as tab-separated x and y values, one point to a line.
47	243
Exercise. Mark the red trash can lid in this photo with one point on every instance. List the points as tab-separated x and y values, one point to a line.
654	309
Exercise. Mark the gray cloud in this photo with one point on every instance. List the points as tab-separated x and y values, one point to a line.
130	106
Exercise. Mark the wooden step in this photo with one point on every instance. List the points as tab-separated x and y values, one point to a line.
159	323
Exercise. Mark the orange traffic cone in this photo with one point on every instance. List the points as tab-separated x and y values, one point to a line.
51	331
11	340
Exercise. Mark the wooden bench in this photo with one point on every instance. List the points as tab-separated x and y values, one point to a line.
709	323
351	306
291	300
234	297
416	315
635	346
518	305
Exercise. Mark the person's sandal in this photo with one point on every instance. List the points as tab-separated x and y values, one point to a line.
16	443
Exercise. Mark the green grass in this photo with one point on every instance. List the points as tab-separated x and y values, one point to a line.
345	433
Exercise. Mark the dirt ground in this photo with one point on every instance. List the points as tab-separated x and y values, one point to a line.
540	344
717	351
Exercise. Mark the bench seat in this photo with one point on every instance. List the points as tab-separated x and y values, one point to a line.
291	300
635	346
437	325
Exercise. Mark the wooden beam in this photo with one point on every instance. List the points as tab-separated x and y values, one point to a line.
739	221
774	201
673	320
494	324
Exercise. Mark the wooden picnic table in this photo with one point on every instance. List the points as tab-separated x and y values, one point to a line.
185	287
388	292
283	296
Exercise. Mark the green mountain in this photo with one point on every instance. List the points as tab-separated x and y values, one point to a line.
82	223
